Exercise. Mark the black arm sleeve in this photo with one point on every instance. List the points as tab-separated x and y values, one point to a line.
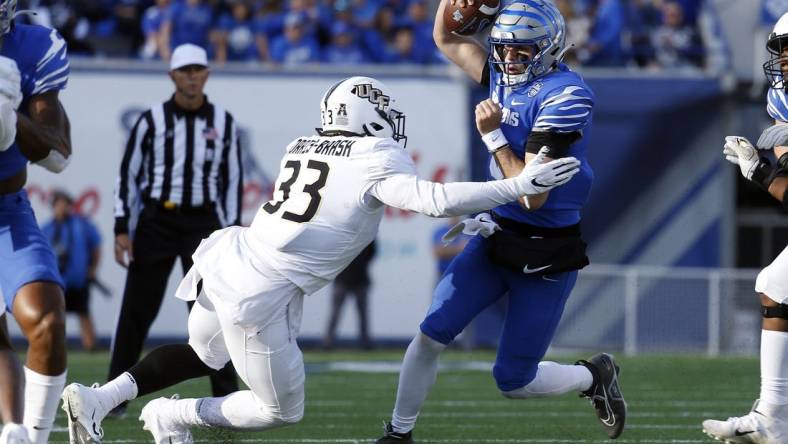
485	80
557	143
782	166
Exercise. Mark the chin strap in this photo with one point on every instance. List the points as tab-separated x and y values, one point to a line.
25	12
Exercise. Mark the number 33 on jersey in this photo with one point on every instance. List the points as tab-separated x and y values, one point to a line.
320	207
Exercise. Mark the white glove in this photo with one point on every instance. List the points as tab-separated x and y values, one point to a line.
481	224
740	151
538	176
7	124
10	81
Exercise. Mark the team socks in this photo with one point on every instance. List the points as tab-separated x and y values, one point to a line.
42	396
774	367
554	379
418	374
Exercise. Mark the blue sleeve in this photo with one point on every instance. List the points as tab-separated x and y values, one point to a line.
777	105
565	109
51	68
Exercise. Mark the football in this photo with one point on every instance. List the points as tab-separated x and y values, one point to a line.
470	19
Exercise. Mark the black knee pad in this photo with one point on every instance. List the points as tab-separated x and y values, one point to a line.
780	311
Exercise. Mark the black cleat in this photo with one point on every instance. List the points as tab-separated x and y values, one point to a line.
605	393
392	437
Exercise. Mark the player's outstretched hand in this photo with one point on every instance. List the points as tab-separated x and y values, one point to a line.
539	176
10	81
739	150
488	116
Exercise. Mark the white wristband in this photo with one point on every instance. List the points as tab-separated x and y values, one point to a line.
495	140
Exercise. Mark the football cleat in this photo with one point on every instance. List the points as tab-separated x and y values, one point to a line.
84	414
392	437
765	424
605	393
164	428
14	434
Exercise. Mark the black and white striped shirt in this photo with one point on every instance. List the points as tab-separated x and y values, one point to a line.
181	158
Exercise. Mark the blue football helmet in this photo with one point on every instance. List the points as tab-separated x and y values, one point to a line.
7	13
532	27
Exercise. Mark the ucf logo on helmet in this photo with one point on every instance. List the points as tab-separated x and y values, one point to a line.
374	95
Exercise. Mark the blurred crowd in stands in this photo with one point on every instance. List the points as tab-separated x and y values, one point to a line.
650	34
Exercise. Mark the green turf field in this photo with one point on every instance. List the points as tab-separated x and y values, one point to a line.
668	397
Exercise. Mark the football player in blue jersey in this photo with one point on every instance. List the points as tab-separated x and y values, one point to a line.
33	128
767	422
531	249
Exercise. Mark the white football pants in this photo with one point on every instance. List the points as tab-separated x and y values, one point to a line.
267	359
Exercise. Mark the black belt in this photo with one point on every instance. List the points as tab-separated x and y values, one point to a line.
529	230
172	207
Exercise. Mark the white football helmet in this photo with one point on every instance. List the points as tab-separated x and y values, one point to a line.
361	106
535	23
777	45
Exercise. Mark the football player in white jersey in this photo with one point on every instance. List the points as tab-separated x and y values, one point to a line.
249	283
767	423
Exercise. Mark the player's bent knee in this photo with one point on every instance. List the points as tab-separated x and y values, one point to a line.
269	419
43	325
216	361
510	380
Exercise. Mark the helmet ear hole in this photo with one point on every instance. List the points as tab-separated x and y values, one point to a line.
376	126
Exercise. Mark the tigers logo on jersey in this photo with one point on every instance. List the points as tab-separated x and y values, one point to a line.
374	95
534	90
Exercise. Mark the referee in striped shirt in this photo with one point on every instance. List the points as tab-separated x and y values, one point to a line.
182	165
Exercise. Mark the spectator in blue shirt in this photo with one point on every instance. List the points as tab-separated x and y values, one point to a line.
420	22
151	24
604	44
268	25
405	49
314	16
234	38
295	46
676	43
189	21
344	48
76	243
644	17
378	40
365	12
